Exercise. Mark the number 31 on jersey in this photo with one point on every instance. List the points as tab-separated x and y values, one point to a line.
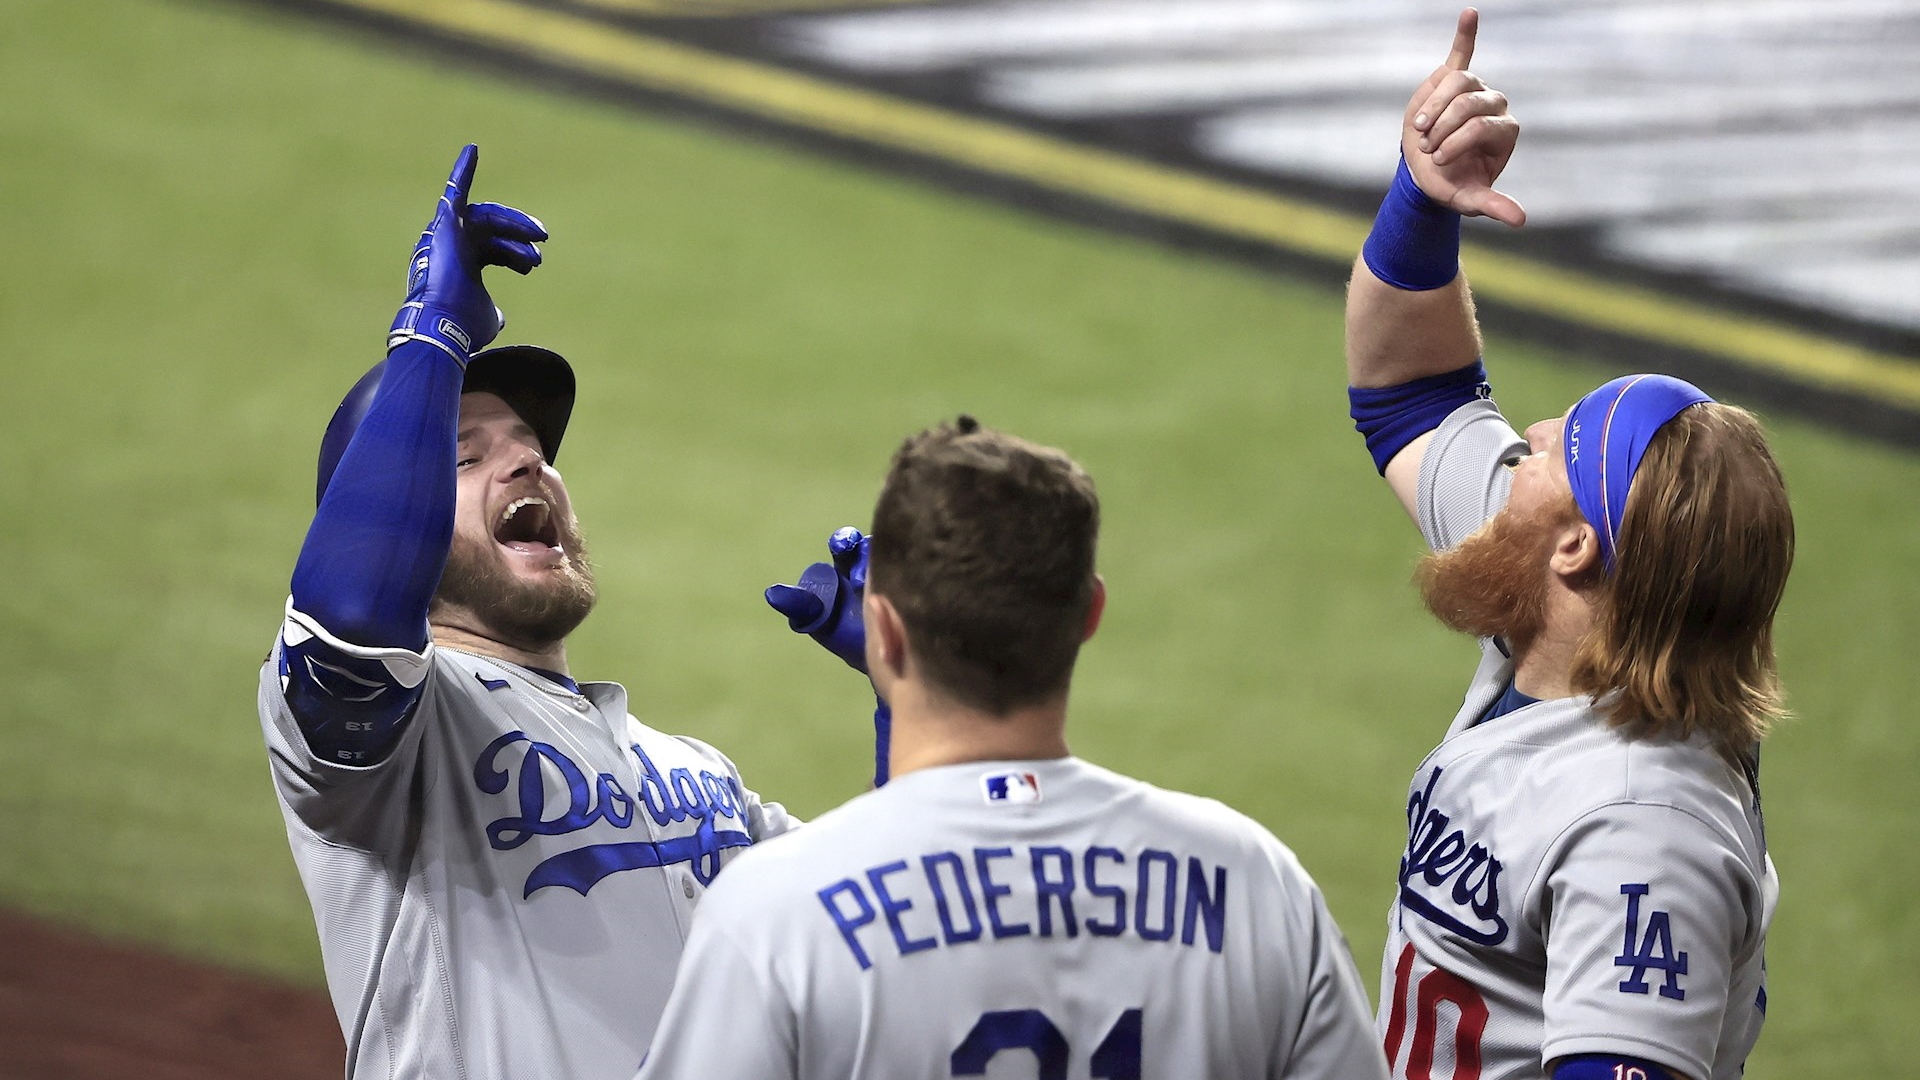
1116	1058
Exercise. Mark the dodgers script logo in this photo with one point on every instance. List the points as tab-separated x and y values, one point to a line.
1439	856
677	796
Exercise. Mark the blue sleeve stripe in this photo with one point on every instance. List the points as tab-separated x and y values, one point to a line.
351	707
1390	417
1609	1067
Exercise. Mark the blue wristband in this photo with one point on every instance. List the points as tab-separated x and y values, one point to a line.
1608	1067
1390	417
1415	242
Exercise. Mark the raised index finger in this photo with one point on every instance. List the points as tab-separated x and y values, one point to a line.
1463	35
460	181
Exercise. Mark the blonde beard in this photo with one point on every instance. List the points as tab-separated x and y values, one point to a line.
529	614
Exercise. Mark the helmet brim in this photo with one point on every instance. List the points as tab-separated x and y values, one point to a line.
536	383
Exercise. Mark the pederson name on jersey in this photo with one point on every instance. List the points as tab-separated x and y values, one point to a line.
955	898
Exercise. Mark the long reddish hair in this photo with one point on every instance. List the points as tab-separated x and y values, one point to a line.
1683	633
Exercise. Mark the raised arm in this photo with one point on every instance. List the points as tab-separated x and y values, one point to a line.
357	621
1413	344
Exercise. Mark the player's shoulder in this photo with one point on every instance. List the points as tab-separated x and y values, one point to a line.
1591	766
1199	814
1209	824
1640	768
1461	481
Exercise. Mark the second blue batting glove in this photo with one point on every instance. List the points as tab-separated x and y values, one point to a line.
447	303
825	604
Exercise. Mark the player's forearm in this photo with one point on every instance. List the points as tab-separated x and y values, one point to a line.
1413	346
379	541
1397	335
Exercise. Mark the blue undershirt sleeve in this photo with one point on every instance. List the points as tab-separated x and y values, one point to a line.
1390	417
379	540
371	562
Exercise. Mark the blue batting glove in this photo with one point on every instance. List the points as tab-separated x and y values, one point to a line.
825	604
447	303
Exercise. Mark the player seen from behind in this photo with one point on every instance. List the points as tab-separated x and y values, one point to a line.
1000	903
1585	891
502	862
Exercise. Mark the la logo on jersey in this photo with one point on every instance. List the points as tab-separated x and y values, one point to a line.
1652	951
1010	787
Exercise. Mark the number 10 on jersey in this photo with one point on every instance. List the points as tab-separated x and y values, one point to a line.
1424	997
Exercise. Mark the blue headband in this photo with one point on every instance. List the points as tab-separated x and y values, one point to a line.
1606	435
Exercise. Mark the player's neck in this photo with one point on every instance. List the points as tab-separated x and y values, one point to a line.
454	636
1543	669
929	732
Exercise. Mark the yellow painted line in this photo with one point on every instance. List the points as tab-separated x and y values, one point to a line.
723	8
1191	198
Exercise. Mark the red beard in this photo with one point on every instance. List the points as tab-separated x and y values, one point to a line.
1494	584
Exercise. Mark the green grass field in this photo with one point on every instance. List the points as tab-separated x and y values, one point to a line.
210	212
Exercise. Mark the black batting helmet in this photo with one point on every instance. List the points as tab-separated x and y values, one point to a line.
536	383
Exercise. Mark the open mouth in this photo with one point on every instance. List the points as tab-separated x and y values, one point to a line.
527	526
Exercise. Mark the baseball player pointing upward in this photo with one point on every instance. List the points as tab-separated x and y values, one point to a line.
502	862
1585	891
1000	907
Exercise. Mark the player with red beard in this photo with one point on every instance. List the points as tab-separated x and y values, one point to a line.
1585	891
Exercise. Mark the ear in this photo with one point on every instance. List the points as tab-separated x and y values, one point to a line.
1576	551
1095	608
886	637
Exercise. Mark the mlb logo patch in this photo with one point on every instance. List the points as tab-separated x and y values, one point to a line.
1010	787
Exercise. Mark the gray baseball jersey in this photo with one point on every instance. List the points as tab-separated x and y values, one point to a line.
1566	890
507	894
1018	919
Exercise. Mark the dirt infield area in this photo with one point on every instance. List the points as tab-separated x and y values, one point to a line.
73	1008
